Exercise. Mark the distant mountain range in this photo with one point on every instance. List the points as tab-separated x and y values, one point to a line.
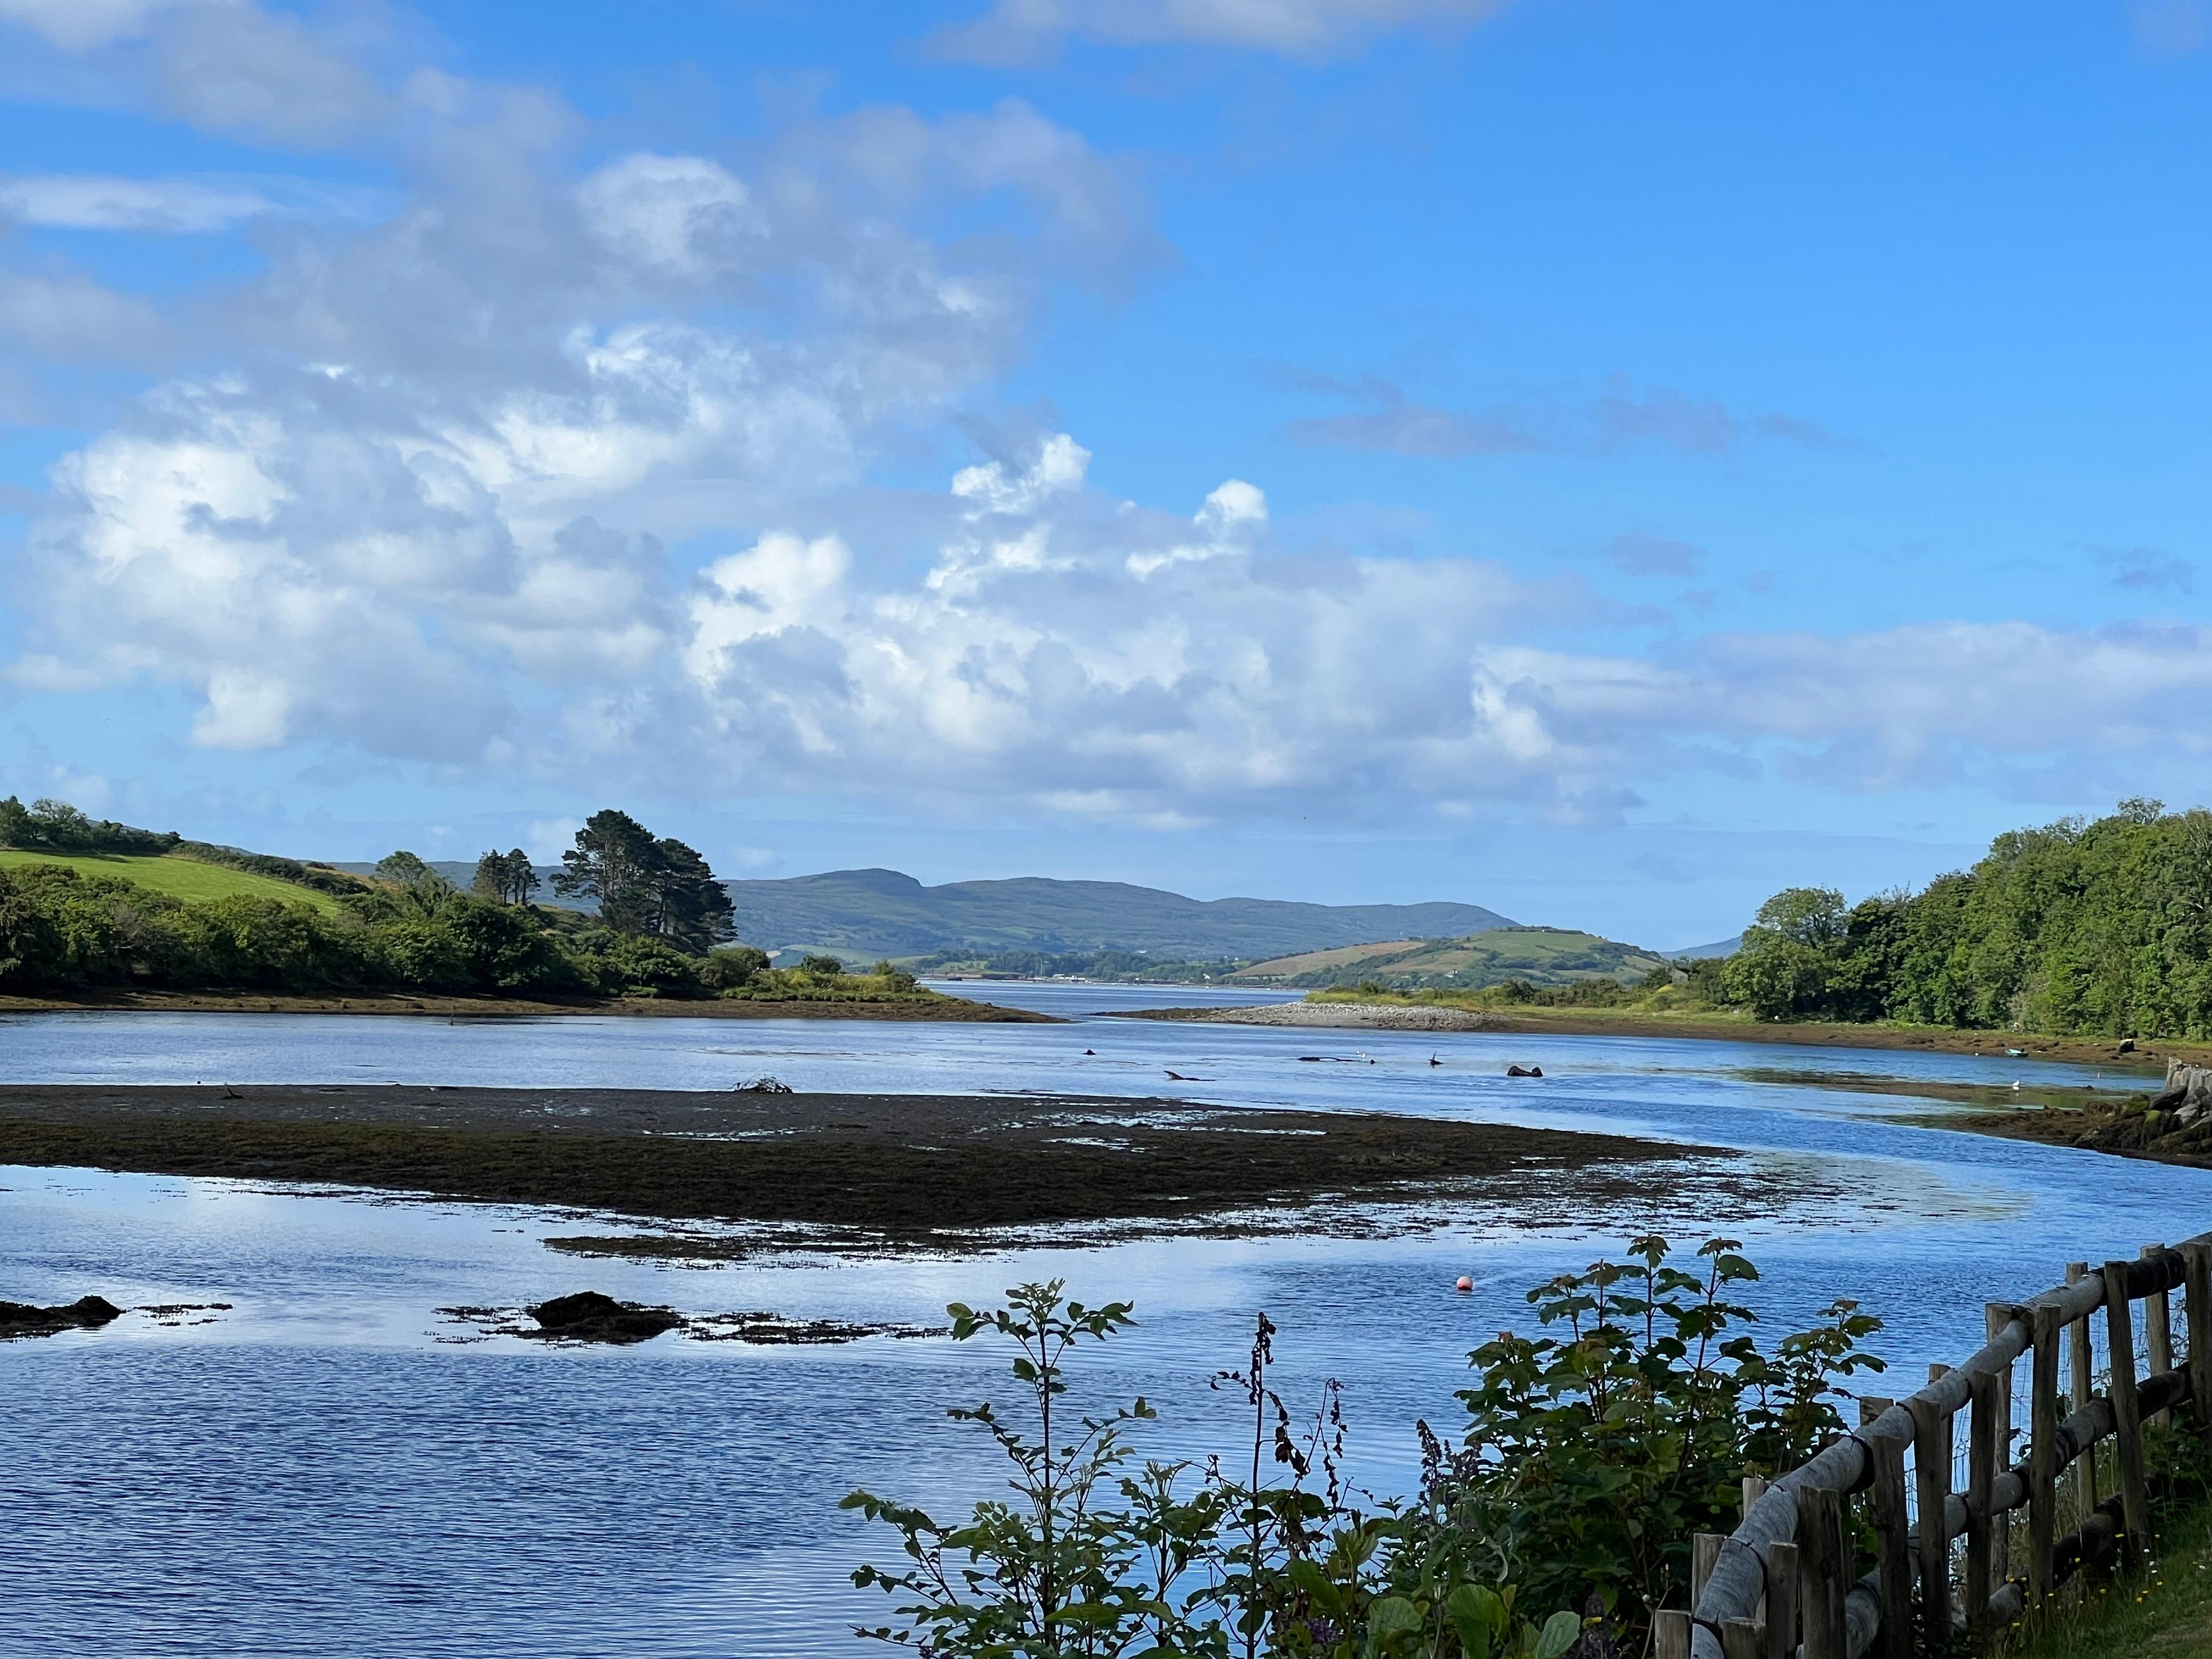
872	913
862	915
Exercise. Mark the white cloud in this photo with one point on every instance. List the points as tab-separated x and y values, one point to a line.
1020	31
227	66
81	25
72	318
79	201
433	491
681	214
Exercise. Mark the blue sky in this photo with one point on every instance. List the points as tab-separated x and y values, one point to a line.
1605	462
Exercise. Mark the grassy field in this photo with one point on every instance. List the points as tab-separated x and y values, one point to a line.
180	879
1540	955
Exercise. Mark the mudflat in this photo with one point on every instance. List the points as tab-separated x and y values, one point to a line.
897	1169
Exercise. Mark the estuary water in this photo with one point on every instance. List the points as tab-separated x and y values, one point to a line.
328	1466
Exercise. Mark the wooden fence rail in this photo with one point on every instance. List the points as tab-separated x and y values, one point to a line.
1799	1528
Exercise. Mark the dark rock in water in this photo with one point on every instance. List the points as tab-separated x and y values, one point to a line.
590	1317
85	1314
1525	1071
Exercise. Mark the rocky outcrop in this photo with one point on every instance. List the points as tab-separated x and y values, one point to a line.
2187	1094
590	1317
26	1319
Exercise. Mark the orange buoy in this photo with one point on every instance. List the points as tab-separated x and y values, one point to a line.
1465	1283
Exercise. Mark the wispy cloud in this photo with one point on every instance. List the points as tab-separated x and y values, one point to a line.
2145	570
2170	28
86	201
1637	554
1024	32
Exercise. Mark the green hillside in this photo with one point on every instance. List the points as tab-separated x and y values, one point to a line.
866	913
189	879
1534	956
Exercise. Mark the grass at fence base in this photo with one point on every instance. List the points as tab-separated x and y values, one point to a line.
2167	1615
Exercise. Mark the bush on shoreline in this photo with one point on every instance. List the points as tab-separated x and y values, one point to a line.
2099	928
66	931
1560	1522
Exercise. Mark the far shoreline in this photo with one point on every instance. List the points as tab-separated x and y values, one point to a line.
2150	1055
946	1010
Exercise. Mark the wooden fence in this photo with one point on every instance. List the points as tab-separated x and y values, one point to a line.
1790	1572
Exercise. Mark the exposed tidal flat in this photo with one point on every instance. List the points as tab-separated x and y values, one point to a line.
330	1465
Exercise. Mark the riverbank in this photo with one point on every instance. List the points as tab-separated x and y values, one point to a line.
2150	1055
864	1170
932	1007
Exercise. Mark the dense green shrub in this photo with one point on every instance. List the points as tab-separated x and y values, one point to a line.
1593	1454
629	966
732	967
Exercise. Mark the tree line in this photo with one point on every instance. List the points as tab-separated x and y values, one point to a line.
2100	927
661	927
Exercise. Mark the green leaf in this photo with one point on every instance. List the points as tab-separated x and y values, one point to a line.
1561	1631
1389	1616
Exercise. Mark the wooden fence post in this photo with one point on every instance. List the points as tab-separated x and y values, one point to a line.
2135	1495
2043	1458
1981	1475
1755	1488
1823	1580
1782	1579
1996	1316
1705	1556
2197	1259
1892	1559
1931	1479
1740	1639
2084	1386
1670	1634
2158	1327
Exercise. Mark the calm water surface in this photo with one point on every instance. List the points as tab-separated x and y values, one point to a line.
322	1470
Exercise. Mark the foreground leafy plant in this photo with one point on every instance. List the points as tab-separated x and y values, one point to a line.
1590	1459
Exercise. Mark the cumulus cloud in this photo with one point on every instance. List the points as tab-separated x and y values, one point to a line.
1023	31
1062	650
433	488
1393	423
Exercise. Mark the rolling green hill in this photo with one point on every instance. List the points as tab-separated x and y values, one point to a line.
179	878
1537	955
866	913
